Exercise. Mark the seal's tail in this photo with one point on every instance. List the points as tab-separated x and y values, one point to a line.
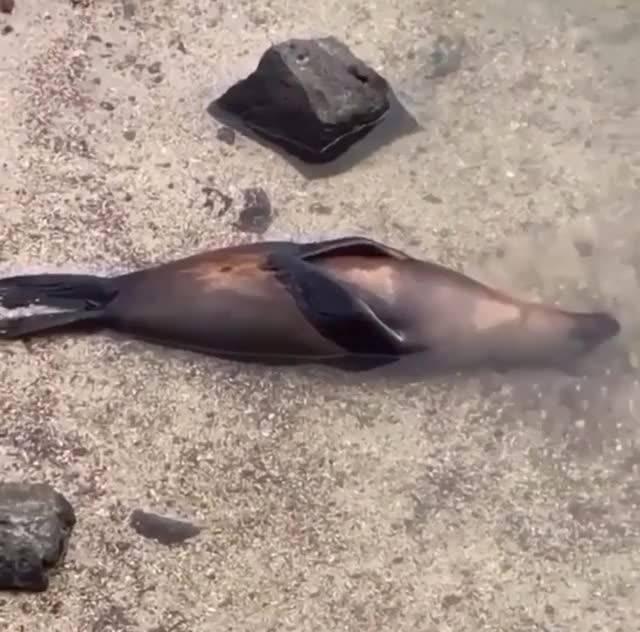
84	297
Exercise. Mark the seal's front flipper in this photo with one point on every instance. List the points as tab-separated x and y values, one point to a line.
334	310
344	246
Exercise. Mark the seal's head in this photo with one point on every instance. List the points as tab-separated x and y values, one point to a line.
593	329
547	335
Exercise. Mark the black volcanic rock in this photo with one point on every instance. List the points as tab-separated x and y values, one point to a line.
35	526
313	98
256	215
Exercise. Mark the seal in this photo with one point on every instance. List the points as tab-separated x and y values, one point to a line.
351	302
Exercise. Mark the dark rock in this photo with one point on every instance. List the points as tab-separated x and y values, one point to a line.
320	209
128	9
7	6
226	135
313	98
448	601
256	215
106	105
445	56
35	526
584	247
212	194
162	529
154	68
6	29
129	134
433	199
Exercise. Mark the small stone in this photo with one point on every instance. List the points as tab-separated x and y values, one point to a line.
584	247
35	526
7	6
129	134
256	216
106	105
311	97
128	9
226	135
6	29
162	529
448	601
211	194
446	56
158	78
154	68
320	209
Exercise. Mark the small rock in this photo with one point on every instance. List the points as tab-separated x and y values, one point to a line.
106	105
162	529
129	134
35	526
7	6
6	29
226	135
320	209
256	215
128	9
448	601
211	194
584	247
446	56
180	46
311	97
154	68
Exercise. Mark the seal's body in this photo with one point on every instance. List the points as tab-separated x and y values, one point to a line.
350	301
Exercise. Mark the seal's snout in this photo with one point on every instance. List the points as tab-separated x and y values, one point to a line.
594	329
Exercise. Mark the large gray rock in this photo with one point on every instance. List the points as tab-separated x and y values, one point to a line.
313	98
35	526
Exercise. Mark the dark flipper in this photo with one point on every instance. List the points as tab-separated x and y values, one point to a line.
85	296
27	326
72	291
334	310
349	246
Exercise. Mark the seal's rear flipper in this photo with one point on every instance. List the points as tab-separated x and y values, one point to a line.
26	326
334	310
71	291
84	296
